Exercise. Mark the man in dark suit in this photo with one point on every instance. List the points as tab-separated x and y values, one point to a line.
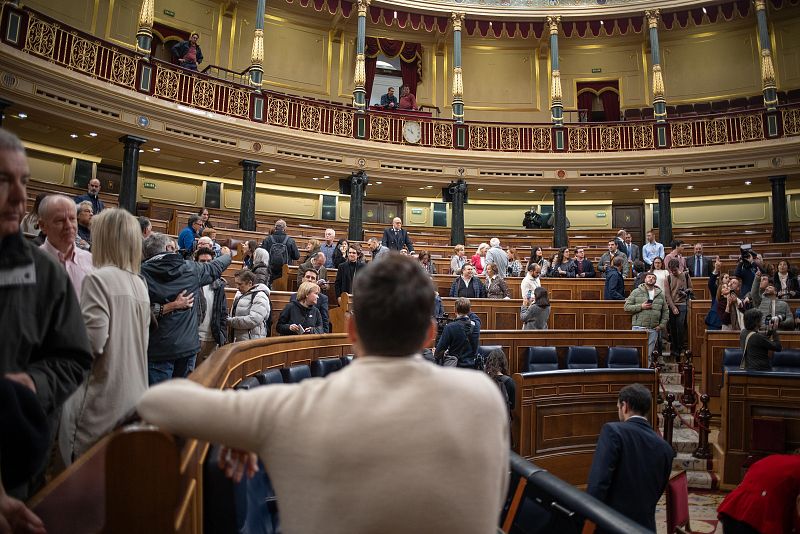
395	238
583	267
468	285
698	264
632	462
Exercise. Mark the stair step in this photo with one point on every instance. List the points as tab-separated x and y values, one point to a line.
670	378
684	440
685	420
684	461
700	479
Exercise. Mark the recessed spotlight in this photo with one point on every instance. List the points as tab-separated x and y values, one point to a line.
689	187
395	14
215	160
271	170
260	172
92	134
378	183
315	179
635	188
480	189
704	11
583	190
326	177
422	188
22	115
74	136
748	182
428	187
602	23
156	149
531	190
201	162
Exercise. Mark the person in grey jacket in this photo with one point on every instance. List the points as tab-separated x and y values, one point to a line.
536	311
498	256
250	308
649	310
172	283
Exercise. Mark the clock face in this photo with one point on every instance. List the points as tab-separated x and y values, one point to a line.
412	131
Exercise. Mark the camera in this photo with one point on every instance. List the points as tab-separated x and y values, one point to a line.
686	293
441	321
747	252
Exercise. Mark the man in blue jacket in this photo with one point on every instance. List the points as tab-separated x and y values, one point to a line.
189	234
632	462
172	283
615	284
460	338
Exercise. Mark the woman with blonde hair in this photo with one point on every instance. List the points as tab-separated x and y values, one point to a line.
301	315
116	309
457	260
479	259
312	247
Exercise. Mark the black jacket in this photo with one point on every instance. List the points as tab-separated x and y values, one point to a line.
615	285
261	272
45	333
180	49
219	313
345	275
456	341
476	290
323	307
394	241
167	275
291	248
296	313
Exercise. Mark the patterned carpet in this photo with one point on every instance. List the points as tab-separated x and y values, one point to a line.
702	512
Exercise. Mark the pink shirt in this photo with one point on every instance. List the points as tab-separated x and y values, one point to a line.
78	264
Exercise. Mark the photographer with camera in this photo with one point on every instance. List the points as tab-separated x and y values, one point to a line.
460	338
756	340
765	299
679	293
747	266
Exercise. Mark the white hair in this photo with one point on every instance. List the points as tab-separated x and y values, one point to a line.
260	255
495	242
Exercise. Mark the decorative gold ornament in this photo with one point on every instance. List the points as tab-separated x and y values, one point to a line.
41	38
443	134
360	77
310	118
83	55
579	139
609	138
767	70
791	121
257	54
362	7
146	14
166	84
458	84
478	137
343	123
509	138
379	128
278	111
203	94
716	132
752	127
658	83
682	134
542	141
652	17
555	88
552	23
239	103
458	20
760	5
123	69
642	137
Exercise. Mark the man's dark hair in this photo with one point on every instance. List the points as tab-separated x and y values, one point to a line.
675	244
193	219
200	251
144	222
752	319
463	305
674	263
617	262
392	318
638	398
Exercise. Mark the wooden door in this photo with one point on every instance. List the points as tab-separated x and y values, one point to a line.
390	209
371	211
631	218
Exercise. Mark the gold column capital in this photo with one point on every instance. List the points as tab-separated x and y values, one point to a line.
458	84
760	5
552	23
458	20
146	14
362	7
652	17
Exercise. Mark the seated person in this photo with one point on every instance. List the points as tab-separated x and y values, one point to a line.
301	316
389	101
322	300
407	100
460	338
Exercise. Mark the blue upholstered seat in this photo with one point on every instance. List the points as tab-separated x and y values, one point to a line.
325	366
731	358
623	357
346	360
270	376
541	359
248	383
582	358
295	374
786	361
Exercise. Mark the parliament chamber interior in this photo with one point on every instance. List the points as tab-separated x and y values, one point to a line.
544	124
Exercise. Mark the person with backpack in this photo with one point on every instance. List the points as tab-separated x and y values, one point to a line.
460	338
282	250
496	367
251	308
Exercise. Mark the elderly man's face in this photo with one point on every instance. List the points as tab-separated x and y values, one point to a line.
14	174
318	260
698	249
60	224
205	242
94	187
329	235
397	223
85	216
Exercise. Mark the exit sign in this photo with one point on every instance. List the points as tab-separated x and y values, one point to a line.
597	71
169	13
149	185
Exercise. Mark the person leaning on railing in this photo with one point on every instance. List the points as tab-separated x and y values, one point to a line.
188	52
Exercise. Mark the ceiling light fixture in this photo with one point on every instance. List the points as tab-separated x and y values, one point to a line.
704	11
156	149
422	188
271	170
215	160
260	172
92	134
22	115
531	190
748	182
315	179
74	136
480	189
326	177
689	187
141	150
635	188
201	162
583	190
378	183
602	23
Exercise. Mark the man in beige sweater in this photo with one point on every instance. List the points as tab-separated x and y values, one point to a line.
389	444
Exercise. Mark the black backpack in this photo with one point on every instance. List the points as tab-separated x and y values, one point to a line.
278	253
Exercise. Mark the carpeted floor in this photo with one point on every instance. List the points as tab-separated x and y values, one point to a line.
702	512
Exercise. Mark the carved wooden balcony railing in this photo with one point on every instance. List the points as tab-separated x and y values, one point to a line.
42	37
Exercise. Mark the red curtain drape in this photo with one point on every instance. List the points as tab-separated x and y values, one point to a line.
585	102
410	55
610	100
